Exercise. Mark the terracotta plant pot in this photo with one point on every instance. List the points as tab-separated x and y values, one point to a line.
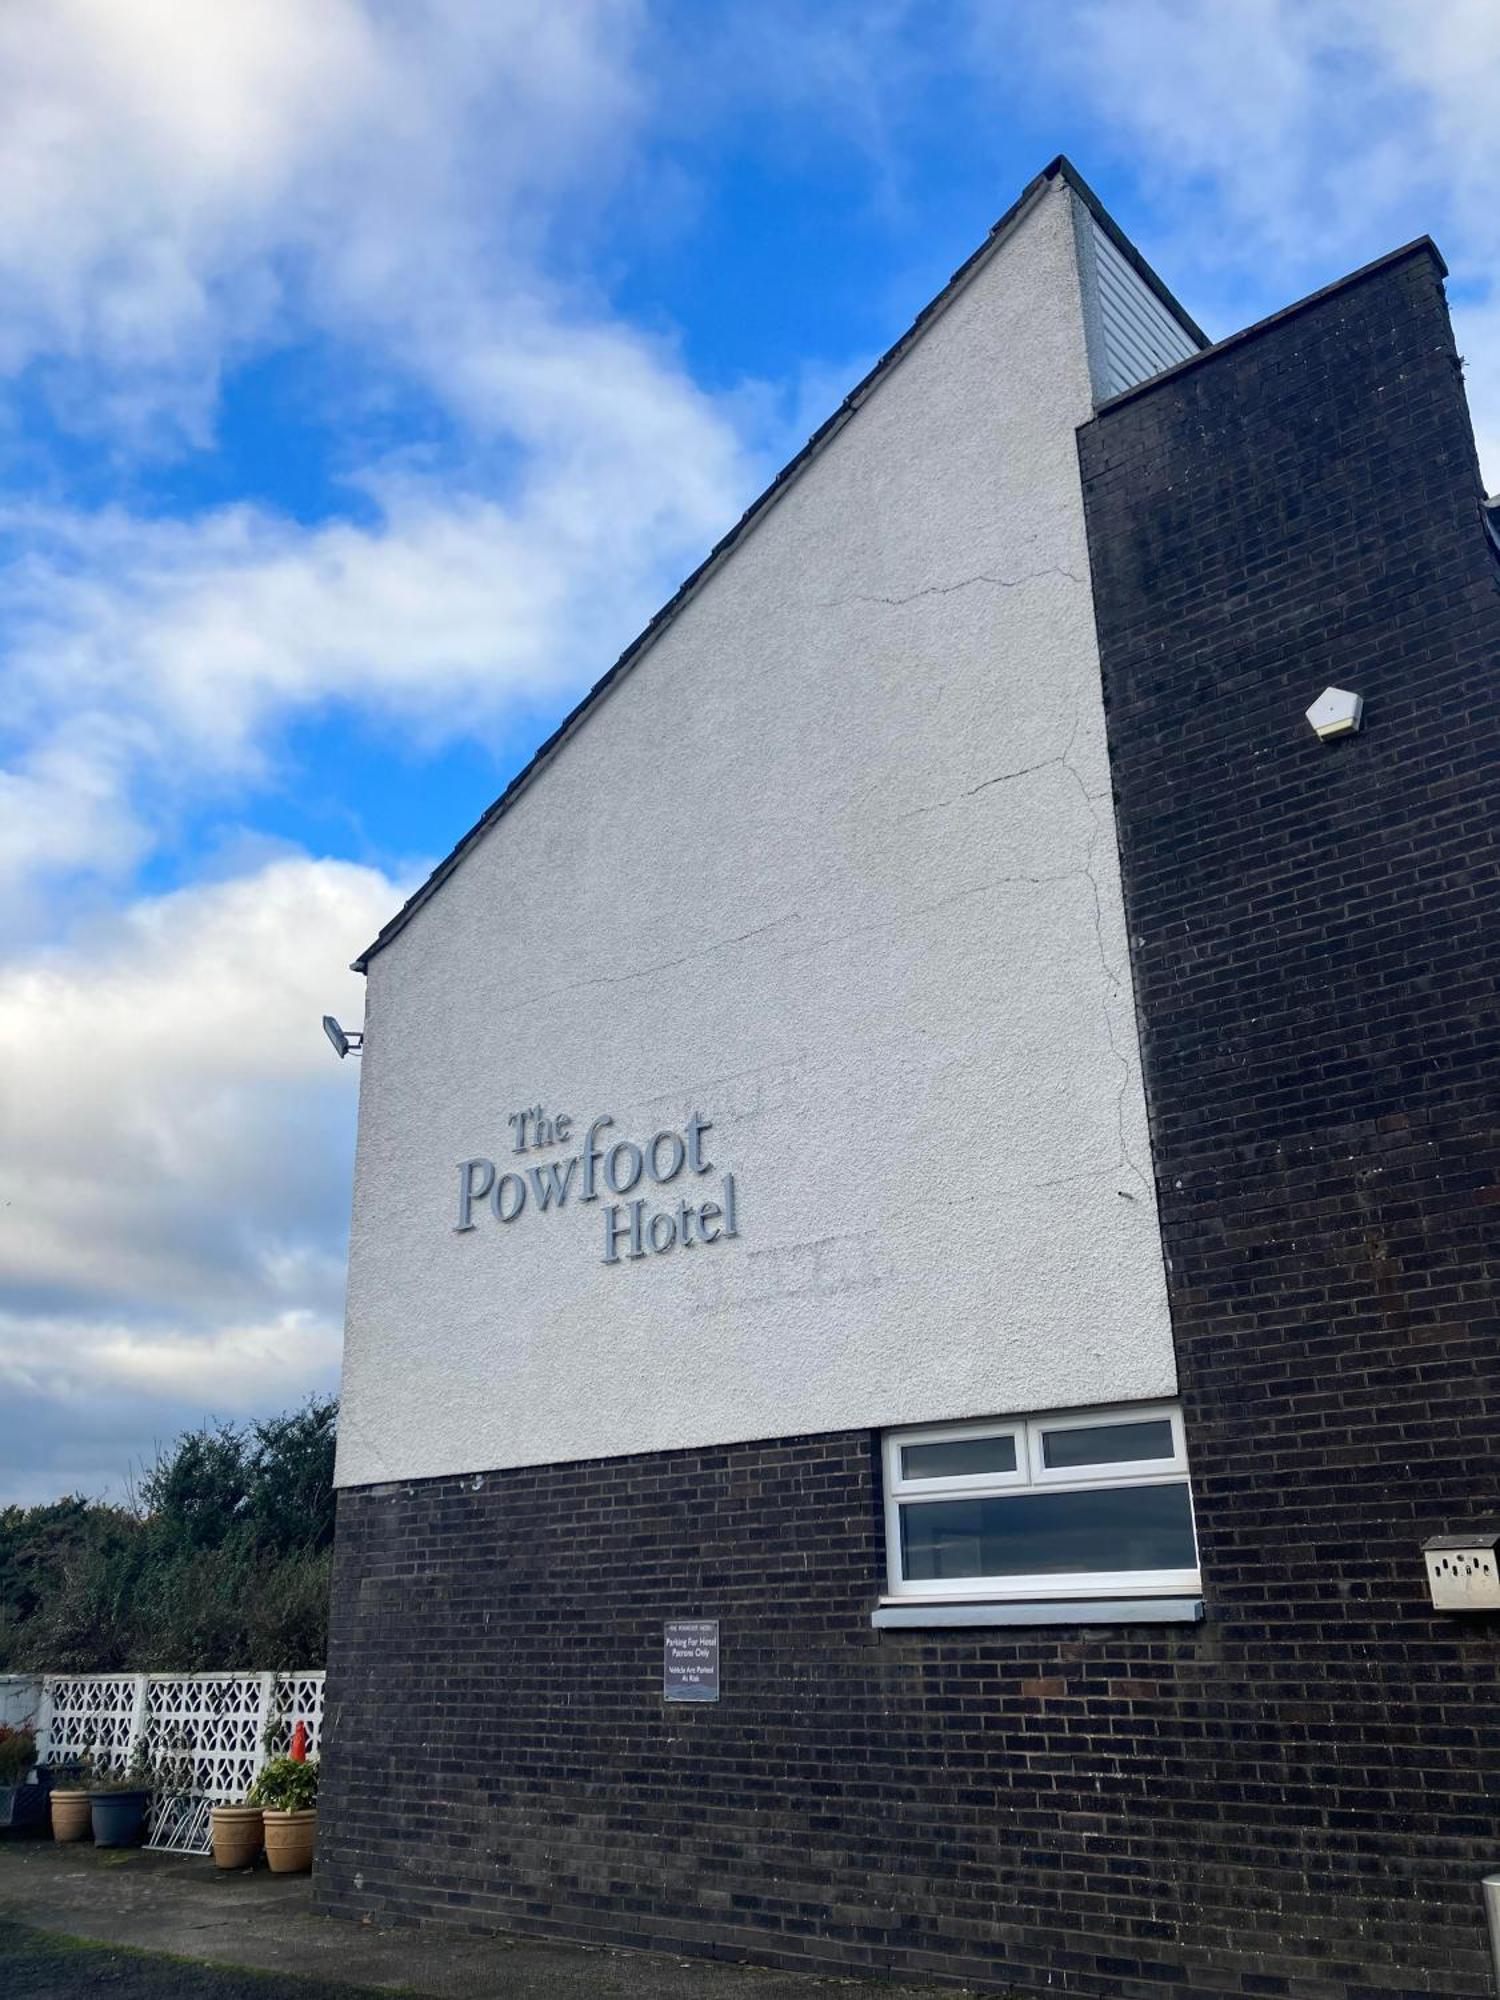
72	1816
238	1835
289	1840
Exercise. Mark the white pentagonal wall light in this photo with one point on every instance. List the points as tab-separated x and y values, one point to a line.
1336	712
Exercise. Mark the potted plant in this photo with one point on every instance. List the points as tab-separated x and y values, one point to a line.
118	1800
287	1790
238	1834
68	1800
59	1772
21	1804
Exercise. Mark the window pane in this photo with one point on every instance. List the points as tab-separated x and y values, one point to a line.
1108	1444
1048	1534
957	1456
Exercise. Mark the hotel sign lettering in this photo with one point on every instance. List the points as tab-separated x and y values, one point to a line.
599	1168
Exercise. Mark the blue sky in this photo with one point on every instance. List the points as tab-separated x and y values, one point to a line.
370	374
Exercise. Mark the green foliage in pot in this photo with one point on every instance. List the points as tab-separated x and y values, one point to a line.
136	1776
17	1753
287	1786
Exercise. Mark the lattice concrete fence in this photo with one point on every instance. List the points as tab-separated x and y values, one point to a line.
208	1733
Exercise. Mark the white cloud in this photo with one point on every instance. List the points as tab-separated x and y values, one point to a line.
232	1370
1284	142
180	188
174	1130
89	1402
138	141
176	180
150	660
177	185
175	1147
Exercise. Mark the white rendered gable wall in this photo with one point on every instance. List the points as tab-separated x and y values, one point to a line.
833	866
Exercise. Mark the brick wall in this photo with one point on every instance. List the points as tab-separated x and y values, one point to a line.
976	1805
1316	944
1299	1796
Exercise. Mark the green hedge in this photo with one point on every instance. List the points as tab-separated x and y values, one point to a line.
221	1560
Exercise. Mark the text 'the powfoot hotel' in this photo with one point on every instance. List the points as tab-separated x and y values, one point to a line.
927	1216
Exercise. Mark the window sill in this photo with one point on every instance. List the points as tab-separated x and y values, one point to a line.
906	1614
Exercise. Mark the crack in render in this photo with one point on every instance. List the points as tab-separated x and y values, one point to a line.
1109	1171
984	785
899	917
647	971
947	589
1114	978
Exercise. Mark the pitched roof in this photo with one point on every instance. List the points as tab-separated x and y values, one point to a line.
1059	170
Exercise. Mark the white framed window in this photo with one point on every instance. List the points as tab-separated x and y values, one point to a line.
1080	1503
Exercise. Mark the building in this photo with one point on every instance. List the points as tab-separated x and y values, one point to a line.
923	1256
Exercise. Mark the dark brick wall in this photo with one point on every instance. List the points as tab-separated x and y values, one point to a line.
1316	943
1299	1796
979	1805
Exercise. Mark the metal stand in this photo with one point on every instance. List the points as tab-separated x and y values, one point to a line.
1491	1887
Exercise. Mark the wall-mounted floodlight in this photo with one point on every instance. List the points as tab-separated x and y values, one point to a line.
342	1042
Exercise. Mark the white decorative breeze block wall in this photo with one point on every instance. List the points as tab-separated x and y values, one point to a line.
206	1735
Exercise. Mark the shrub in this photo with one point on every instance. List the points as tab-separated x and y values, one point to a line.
17	1753
287	1786
223	1560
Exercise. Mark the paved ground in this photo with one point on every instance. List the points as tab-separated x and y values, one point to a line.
36	1966
137	1926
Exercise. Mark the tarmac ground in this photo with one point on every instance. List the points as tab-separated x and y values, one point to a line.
136	1925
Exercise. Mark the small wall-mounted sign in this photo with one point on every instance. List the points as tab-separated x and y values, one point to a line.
690	1659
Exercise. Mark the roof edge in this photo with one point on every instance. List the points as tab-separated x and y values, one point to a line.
1062	168
758	506
1419	246
1058	170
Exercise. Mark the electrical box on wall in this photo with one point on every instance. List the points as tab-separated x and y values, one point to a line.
1463	1570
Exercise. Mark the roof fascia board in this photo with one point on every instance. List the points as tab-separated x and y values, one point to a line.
1030	195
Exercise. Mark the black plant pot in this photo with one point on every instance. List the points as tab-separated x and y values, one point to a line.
23	1808
119	1817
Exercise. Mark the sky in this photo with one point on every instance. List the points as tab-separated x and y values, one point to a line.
369	374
